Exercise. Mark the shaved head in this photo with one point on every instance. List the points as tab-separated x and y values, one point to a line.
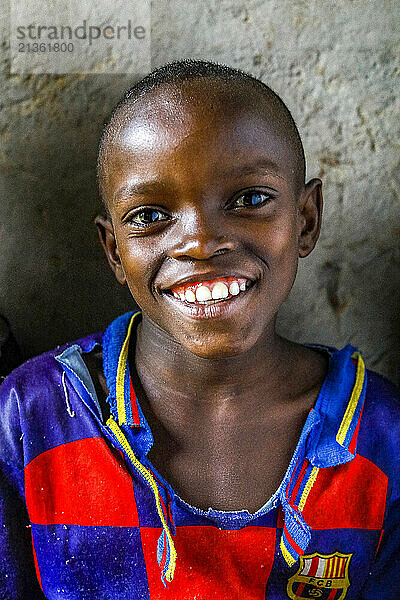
204	87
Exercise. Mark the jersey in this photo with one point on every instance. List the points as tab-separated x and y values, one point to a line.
84	514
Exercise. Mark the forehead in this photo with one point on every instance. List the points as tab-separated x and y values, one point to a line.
202	127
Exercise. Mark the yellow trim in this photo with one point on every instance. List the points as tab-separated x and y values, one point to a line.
307	487
152	483
288	557
120	383
355	395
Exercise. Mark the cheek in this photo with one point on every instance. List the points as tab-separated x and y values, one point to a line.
137	260
286	245
281	241
281	255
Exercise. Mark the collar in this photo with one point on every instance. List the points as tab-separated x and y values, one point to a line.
122	399
70	359
332	426
338	407
328	439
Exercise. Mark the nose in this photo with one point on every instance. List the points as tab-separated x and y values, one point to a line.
200	238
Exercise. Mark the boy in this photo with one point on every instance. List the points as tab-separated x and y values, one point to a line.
118	445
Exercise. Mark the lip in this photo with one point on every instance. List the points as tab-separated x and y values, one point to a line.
219	309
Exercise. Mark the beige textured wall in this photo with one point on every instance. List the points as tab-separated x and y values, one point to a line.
336	65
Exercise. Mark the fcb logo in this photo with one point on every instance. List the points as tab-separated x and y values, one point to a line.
322	576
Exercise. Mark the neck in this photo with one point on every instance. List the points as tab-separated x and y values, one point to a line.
164	365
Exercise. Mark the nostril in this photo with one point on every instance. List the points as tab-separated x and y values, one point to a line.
201	249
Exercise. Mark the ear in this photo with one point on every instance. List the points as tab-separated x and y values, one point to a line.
106	233
310	215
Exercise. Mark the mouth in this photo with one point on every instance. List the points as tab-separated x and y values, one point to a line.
202	294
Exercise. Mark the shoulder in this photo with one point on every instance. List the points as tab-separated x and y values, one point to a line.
40	370
382	402
379	435
28	392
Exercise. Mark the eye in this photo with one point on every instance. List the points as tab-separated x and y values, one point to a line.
251	199
144	217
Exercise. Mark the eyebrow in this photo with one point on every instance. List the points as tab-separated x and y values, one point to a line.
138	188
262	166
259	167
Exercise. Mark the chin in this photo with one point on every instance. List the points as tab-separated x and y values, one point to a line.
216	347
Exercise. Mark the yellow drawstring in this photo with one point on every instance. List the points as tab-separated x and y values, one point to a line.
111	423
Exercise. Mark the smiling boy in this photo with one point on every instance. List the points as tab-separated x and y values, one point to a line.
190	440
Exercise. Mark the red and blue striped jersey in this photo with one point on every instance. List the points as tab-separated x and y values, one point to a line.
84	514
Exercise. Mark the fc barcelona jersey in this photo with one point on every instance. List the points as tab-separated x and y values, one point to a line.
85	515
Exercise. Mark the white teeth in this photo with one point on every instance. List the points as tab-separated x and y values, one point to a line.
203	294
220	290
234	288
190	296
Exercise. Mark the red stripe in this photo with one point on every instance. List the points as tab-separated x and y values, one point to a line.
134	405
291	479
164	555
344	562
333	567
280	517
300	589
314	567
379	543
328	567
353	441
299	480
159	482
163	506
299	550
80	483
332	594
171	517
338	567
35	560
341	567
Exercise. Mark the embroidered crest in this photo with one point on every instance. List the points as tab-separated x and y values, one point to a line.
323	576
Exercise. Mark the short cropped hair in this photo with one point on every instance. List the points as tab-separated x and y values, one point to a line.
185	70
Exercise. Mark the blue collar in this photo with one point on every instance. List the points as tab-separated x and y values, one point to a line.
322	446
338	410
124	406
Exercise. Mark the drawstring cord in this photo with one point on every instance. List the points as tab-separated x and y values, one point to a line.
165	542
166	553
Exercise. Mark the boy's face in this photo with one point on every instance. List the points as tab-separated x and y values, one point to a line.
204	197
